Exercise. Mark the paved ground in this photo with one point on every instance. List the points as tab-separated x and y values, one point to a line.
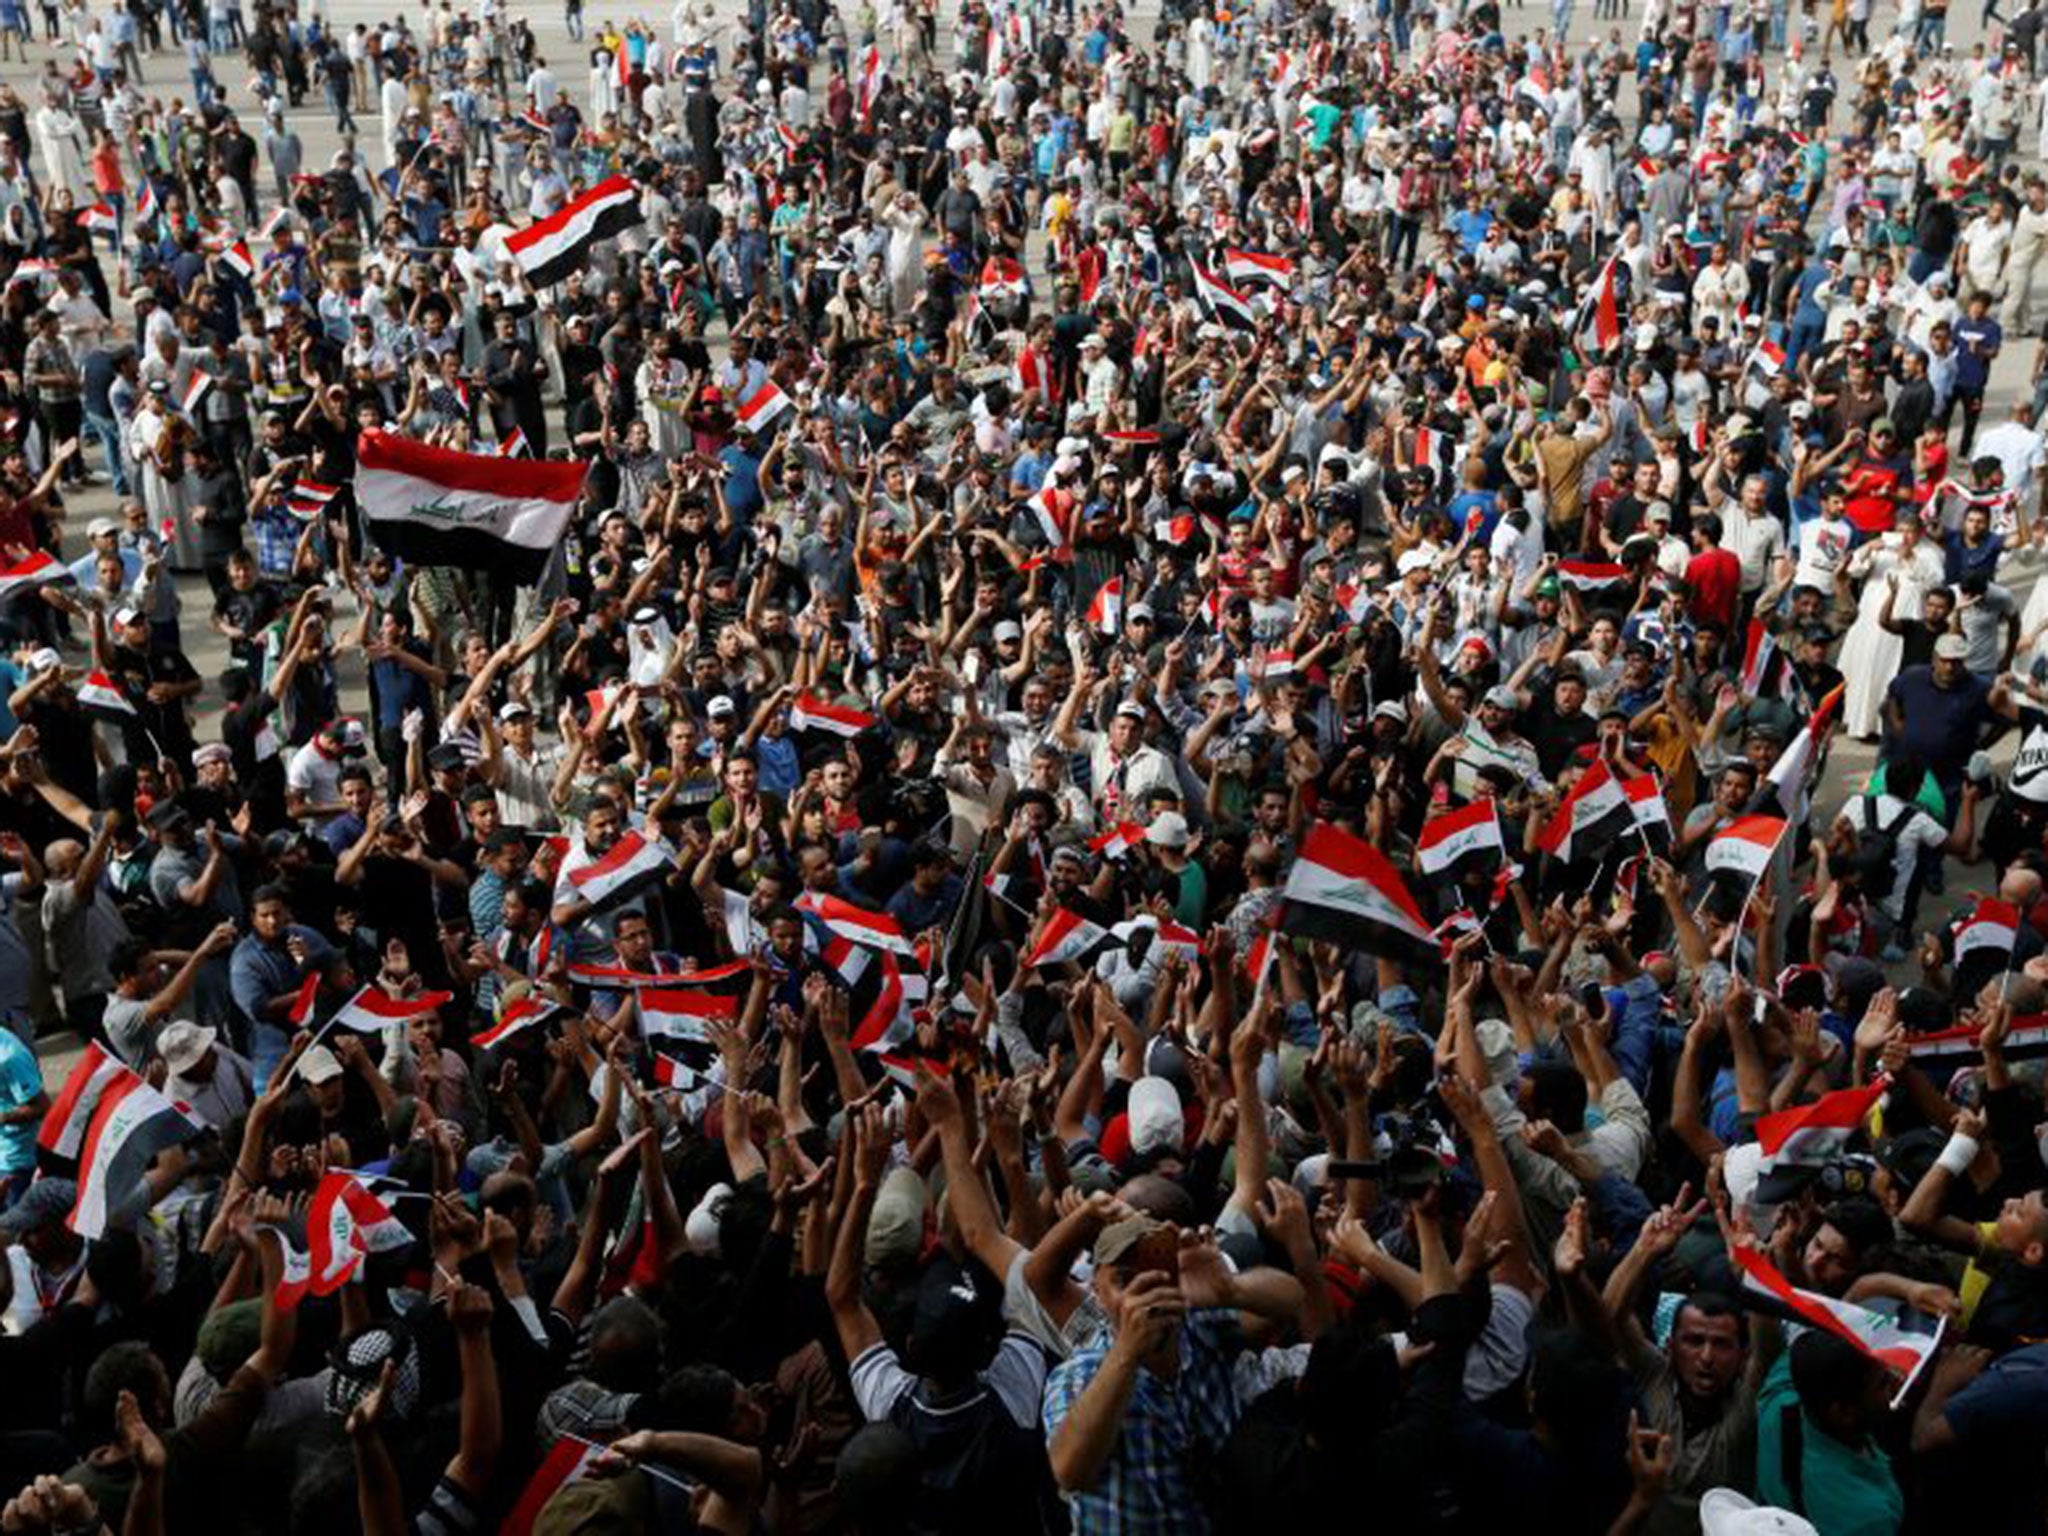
1849	761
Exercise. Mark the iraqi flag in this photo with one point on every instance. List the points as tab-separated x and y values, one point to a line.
627	867
527	1013
238	260
1769	358
513	445
1991	929
1432	295
1598	324
565	1464
873	72
1047	507
1595	578
1174	530
99	220
858	925
1459	840
890	1020
197	388
1068	938
345	1223
760	410
373	1009
683	1013
1957	1047
1242	267
1001	278
1796	765
1596	812
1140	934
1224	303
472	511
1342	888
1759	661
810	713
130	1126
618	978
1106	611
147	209
1744	847
1808	1135
672	1072
100	694
1892	1342
1428	448
38	570
310	498
549	249
65	1124
1118	840
1646	804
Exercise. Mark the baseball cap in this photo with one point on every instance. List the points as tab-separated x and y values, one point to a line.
1120	1237
514	710
102	528
1169	829
896	1227
183	1044
1131	709
1951	648
1009	629
720	707
1724	1512
1502	697
1156	1124
319	1065
1390	709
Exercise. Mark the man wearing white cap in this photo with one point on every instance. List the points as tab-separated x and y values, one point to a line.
1124	770
210	1082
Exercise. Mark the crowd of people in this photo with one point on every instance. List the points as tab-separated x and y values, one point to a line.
1167	840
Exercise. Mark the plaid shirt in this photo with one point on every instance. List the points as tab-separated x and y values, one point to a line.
1148	1483
275	533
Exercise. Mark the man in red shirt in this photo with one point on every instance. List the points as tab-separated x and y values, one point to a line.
1714	574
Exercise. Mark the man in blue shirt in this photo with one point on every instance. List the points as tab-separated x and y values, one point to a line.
1978	338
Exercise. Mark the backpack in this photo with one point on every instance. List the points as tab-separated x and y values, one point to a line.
1876	860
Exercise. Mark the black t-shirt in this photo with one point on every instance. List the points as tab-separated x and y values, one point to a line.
135	670
1556	738
249	611
397	899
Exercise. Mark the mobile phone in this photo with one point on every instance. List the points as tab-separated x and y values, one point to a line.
1157	1253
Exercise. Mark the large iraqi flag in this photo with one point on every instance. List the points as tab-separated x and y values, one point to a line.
1344	889
549	249
433	506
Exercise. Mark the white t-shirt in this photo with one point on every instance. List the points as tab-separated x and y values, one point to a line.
315	775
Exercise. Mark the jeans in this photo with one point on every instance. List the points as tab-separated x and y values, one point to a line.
105	431
267	1045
